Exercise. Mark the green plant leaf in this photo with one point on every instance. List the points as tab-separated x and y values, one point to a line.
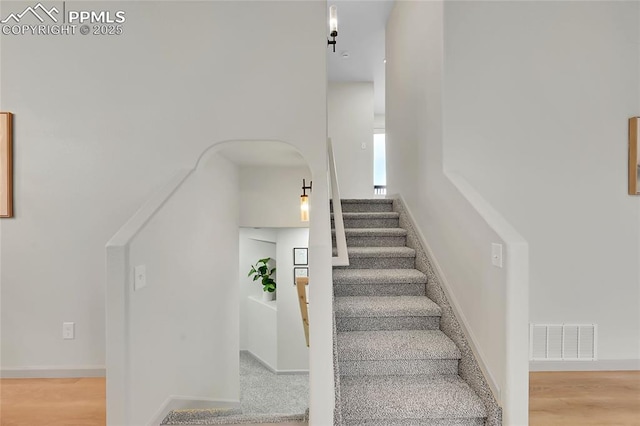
256	277
265	260
272	271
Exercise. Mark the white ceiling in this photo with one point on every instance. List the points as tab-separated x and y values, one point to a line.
361	33
262	153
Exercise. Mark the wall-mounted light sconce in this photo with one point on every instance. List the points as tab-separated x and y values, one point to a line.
304	201
333	27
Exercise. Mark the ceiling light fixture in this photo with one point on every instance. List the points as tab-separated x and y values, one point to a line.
333	27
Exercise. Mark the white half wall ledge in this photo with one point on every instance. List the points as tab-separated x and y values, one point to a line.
516	294
491	216
599	365
44	372
148	210
508	393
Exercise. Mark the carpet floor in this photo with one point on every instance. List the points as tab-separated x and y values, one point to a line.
262	391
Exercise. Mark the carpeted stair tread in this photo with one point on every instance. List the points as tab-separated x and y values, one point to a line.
369	252
369	215
378	276
389	398
367	201
373	232
366	205
390	306
395	345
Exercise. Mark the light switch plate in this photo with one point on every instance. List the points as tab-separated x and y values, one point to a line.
139	277
68	330
496	254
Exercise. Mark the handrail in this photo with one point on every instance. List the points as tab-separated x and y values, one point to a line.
301	285
342	258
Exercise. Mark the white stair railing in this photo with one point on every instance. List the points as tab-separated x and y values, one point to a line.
342	258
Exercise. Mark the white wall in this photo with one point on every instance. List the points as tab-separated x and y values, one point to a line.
378	123
183	326
105	125
254	244
293	354
458	226
262	330
537	100
270	196
350	108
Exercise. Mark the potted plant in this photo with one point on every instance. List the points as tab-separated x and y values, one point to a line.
260	271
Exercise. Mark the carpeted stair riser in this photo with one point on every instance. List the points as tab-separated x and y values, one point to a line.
396	345
380	263
388	289
369	222
426	367
372	282
373	241
356	206
388	323
380	258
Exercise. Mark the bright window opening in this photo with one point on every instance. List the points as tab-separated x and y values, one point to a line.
379	165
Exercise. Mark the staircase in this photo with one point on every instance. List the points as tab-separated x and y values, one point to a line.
396	367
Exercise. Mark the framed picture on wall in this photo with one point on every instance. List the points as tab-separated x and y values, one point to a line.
6	164
300	273
300	256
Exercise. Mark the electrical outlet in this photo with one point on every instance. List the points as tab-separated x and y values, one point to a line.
68	330
139	277
496	255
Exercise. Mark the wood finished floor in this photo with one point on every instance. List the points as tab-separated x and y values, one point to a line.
607	398
556	399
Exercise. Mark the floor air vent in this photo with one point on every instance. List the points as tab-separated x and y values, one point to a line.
562	342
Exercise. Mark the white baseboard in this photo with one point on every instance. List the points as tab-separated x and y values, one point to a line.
599	365
177	402
46	372
283	372
270	368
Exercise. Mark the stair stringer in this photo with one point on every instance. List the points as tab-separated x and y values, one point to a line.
468	368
